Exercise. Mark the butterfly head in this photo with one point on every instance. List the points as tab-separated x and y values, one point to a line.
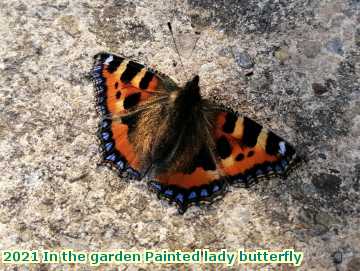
190	94
193	83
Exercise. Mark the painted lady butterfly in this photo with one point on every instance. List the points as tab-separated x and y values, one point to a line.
189	147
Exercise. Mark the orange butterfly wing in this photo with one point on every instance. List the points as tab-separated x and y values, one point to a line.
245	151
122	85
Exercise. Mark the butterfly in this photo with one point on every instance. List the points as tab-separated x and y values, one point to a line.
188	147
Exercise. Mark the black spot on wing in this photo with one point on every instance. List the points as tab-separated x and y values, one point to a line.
223	147
118	94
114	64
239	157
132	100
250	153
132	68
251	132
272	143
273	146
144	83
290	151
230	121
130	121
204	160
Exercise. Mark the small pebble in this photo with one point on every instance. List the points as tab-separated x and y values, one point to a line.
250	73
70	24
289	91
330	83
309	189
325	219
311	49
337	257
327	184
357	37
335	46
244	60
282	54
319	89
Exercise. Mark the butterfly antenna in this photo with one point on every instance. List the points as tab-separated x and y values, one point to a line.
193	49
175	45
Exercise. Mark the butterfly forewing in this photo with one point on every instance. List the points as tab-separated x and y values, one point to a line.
122	87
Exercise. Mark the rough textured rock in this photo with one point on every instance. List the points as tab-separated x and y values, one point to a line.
54	193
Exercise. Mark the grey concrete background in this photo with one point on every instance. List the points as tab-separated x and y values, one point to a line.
291	65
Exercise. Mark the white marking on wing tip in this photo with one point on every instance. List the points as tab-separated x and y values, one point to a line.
282	148
108	60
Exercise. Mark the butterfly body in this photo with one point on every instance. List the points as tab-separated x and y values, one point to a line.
190	147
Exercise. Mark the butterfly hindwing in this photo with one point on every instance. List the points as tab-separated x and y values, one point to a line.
199	181
122	86
185	197
247	151
244	152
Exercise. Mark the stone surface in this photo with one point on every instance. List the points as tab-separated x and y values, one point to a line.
353	264
327	183
55	193
243	60
337	257
310	48
335	46
319	89
282	55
